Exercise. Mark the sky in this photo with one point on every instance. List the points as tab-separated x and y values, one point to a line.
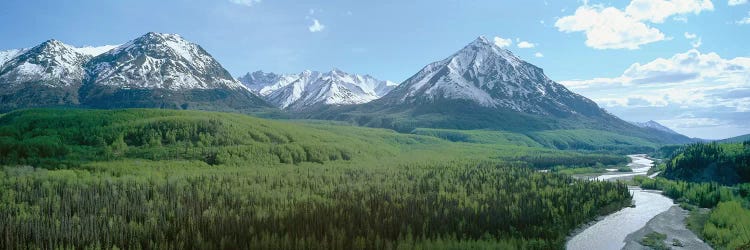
683	63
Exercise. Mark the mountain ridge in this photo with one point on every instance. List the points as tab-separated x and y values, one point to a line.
483	86
313	88
153	70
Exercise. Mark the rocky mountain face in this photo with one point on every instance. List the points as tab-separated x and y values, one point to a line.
654	125
483	86
48	74
311	88
492	77
154	70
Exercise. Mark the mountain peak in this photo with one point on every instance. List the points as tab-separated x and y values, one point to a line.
489	76
180	65
312	88
482	40
654	125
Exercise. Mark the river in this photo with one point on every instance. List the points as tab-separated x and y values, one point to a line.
611	231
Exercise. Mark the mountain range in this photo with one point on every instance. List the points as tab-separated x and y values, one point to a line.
481	86
311	88
155	70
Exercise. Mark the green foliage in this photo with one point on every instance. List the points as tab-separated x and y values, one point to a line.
165	179
728	226
479	136
625	169
723	163
593	140
46	138
655	241
700	194
187	205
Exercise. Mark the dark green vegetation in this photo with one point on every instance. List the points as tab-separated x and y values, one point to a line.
726	163
736	139
165	179
655	241
701	175
600	132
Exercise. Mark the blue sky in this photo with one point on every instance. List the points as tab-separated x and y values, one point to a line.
683	63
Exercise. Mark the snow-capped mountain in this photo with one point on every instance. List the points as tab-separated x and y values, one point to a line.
163	70
159	61
52	63
492	77
155	70
654	125
47	74
312	88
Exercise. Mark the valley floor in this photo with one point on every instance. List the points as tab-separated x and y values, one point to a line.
625	229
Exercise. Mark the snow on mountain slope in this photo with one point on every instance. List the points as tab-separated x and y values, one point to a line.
7	55
51	63
159	61
490	76
311	88
95	51
654	125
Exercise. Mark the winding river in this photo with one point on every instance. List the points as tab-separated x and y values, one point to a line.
611	231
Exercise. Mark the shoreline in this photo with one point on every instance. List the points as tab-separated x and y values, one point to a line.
672	224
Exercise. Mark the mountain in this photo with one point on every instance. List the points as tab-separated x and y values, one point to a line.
46	75
154	70
741	138
483	86
491	77
165	71
654	125
311	88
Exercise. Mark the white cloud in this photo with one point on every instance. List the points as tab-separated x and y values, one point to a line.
695	41
503	42
682	19
736	2
745	20
525	45
656	11
538	55
316	26
612	28
245	2
713	87
609	28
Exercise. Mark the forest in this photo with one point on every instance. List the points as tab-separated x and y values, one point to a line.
710	175
160	179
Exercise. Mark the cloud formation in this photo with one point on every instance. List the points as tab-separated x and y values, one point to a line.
502	42
248	3
538	55
316	26
736	2
745	20
526	45
695	85
613	28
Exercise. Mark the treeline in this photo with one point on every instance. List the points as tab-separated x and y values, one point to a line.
711	175
184	205
728	224
68	138
706	162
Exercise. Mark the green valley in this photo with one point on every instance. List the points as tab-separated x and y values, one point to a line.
144	178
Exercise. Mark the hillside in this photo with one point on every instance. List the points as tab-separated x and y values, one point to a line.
483	86
171	179
736	139
725	163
